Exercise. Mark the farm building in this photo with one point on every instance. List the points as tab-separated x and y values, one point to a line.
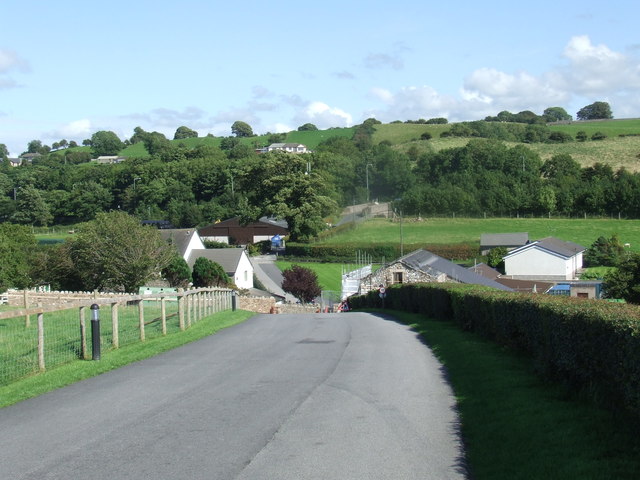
422	266
231	231
506	240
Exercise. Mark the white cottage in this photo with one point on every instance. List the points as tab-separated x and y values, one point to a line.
546	259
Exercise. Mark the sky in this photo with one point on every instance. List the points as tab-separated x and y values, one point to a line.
71	68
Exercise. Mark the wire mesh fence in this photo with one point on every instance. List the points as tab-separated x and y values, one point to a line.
35	339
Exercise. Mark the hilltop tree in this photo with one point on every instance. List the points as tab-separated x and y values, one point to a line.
595	111
556	114
307	127
106	143
184	132
241	129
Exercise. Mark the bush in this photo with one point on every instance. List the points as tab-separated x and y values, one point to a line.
598	136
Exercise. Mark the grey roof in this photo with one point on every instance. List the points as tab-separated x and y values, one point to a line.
228	258
180	237
503	239
554	246
567	249
429	262
485	270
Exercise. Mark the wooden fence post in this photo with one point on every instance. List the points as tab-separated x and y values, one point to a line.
181	308
115	334
83	334
41	365
27	318
163	315
141	319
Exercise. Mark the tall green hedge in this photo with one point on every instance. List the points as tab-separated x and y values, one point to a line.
592	346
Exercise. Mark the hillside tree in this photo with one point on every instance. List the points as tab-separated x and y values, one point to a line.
184	132
595	111
241	129
106	143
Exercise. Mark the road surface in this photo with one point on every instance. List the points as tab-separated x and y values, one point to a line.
318	396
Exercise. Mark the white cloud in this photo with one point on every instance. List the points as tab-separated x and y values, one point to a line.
591	72
76	129
10	61
595	70
323	116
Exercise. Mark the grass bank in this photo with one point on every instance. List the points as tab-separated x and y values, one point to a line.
81	369
517	427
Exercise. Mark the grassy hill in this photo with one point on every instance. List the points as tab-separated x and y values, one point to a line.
621	148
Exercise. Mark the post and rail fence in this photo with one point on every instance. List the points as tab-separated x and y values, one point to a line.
59	334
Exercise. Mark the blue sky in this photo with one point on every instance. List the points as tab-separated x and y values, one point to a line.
71	68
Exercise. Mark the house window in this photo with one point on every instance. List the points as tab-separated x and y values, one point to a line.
397	277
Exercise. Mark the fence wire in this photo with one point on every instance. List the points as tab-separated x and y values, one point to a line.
31	344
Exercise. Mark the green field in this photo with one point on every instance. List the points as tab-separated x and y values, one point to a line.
329	274
468	230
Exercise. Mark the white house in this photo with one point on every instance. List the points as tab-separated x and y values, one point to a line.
235	262
185	239
288	147
546	259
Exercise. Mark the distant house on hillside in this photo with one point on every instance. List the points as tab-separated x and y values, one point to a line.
506	240
232	232
109	159
185	240
288	147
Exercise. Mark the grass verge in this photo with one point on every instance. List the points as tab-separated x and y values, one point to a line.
514	425
81	369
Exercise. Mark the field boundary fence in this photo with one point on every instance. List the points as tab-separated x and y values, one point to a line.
34	339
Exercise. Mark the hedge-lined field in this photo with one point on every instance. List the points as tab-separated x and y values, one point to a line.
593	347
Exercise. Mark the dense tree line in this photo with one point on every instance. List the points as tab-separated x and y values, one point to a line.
196	186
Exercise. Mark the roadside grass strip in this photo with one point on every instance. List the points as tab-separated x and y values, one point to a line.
77	369
515	426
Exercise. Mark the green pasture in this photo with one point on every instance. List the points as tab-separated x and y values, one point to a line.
18	342
313	138
468	230
611	128
329	274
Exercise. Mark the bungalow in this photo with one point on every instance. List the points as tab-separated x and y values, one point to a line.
109	159
506	240
422	266
288	147
231	231
547	259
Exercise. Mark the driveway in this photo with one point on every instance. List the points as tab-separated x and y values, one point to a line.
318	396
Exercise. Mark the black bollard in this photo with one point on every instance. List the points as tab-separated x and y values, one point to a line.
95	332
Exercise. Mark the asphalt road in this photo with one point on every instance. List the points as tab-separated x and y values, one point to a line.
324	396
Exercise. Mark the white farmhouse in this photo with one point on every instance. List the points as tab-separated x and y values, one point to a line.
546	259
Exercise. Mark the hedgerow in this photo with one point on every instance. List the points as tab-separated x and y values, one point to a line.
591	346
